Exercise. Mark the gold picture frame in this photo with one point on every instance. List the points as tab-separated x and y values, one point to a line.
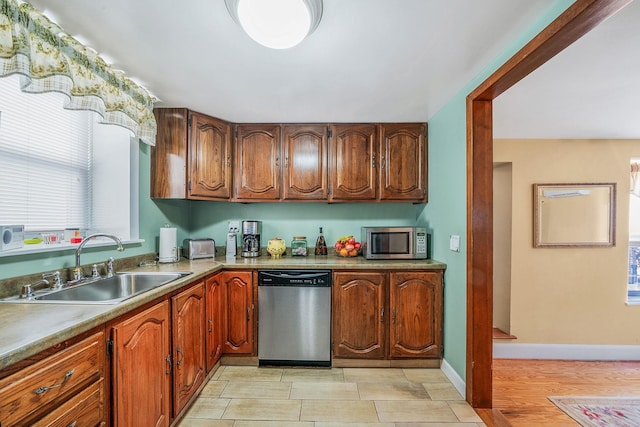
574	215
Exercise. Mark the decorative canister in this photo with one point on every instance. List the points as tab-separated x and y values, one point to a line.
276	247
299	246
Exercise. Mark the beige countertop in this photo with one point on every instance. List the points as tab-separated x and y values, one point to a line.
28	328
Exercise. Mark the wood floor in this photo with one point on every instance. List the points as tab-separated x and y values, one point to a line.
521	387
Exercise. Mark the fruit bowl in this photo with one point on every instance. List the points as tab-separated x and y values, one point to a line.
346	247
347	254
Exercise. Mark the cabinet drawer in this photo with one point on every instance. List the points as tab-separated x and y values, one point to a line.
84	409
51	380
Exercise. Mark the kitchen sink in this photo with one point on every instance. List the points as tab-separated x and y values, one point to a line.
109	290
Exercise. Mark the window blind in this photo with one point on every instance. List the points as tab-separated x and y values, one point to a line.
45	160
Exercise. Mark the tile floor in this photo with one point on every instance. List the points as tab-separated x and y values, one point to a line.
247	396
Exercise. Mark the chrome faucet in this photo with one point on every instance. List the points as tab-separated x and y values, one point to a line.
77	271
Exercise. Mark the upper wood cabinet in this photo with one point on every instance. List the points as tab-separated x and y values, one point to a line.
169	155
203	158
403	162
353	162
209	158
192	156
305	168
258	162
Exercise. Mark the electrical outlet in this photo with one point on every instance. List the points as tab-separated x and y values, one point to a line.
233	227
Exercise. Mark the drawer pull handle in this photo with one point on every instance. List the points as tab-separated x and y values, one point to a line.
41	390
210	325
73	424
169	365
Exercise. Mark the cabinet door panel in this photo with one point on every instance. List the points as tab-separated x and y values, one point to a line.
169	155
239	320
210	157
215	319
188	344
359	315
415	302
353	162
403	162
305	163
258	162
141	363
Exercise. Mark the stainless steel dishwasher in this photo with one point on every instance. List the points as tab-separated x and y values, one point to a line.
294	317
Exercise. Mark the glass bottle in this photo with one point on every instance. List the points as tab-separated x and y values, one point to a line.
321	245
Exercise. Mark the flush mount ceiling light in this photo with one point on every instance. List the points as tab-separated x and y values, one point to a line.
277	24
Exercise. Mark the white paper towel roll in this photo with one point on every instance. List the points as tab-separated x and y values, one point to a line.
168	247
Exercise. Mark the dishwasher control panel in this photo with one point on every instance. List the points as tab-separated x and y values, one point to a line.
294	278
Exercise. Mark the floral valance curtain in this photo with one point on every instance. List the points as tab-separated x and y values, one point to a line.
48	59
635	179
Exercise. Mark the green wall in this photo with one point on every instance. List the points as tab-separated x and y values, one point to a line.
446	210
286	220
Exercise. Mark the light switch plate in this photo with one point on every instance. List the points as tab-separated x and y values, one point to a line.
454	243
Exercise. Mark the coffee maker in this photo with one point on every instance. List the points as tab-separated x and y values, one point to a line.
251	231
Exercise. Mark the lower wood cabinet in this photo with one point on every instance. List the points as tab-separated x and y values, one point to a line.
379	315
141	368
65	388
358	309
188	333
415	324
239	322
215	316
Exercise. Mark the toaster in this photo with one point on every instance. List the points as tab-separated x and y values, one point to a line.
199	248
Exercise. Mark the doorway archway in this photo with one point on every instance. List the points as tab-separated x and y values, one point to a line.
573	23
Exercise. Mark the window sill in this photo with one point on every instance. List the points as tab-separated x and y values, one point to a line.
61	247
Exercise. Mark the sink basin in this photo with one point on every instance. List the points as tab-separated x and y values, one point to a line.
109	290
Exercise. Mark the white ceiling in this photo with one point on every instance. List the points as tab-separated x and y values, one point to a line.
591	90
368	61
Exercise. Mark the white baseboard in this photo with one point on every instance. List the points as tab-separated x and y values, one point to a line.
566	351
453	376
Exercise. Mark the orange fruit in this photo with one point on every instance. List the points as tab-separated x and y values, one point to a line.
353	252
343	252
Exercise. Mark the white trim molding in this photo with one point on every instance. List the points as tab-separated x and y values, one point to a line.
453	376
566	351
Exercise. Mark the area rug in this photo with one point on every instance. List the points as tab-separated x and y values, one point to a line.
598	411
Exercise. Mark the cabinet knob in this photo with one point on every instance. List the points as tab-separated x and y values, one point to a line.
382	315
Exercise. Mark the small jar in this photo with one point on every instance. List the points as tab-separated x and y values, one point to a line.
299	246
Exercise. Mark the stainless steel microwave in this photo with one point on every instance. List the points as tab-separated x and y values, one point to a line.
395	242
